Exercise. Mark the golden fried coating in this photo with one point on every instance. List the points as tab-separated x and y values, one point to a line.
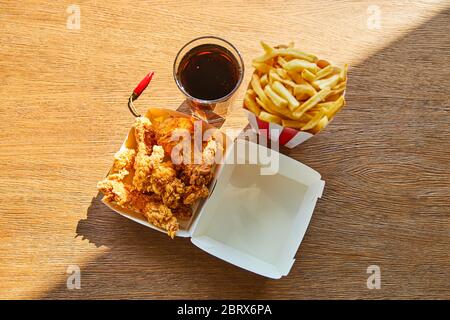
150	206
142	128
144	166
193	193
161	191
202	173
155	211
166	129
142	163
170	191
123	162
114	191
182	212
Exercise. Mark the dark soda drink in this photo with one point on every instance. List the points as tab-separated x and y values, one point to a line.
208	72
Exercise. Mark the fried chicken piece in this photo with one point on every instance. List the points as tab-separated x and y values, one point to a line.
160	178
167	185
182	212
155	211
142	158
123	162
144	134
201	174
151	173
150	206
209	152
193	193
198	176
175	191
147	155
113	187
166	129
143	166
114	191
162	173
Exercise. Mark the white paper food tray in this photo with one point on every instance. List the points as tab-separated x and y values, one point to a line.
252	220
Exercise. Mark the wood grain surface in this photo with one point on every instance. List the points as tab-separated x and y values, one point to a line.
385	158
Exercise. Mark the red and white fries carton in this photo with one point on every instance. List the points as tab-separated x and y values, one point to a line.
258	210
285	136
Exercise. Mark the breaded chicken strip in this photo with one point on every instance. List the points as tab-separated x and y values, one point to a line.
193	193
150	206
114	191
155	211
201	174
123	163
147	155
152	174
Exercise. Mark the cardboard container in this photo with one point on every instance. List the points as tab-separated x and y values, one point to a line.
251	220
285	136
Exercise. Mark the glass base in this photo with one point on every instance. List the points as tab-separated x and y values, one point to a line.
204	113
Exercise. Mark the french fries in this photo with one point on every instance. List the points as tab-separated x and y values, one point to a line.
311	102
265	116
299	65
305	88
286	94
278	101
308	75
295	89
328	82
251	104
289	52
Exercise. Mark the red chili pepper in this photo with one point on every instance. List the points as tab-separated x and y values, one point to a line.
142	85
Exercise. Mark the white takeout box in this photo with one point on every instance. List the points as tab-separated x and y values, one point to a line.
251	220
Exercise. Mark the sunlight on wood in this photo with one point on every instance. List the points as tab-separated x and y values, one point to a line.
64	113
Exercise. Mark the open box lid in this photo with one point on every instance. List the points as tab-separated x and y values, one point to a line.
257	220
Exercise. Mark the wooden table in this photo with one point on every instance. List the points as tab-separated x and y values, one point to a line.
385	158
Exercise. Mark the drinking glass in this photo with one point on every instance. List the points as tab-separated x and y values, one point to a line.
208	70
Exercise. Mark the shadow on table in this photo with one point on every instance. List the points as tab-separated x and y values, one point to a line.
152	265
380	146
